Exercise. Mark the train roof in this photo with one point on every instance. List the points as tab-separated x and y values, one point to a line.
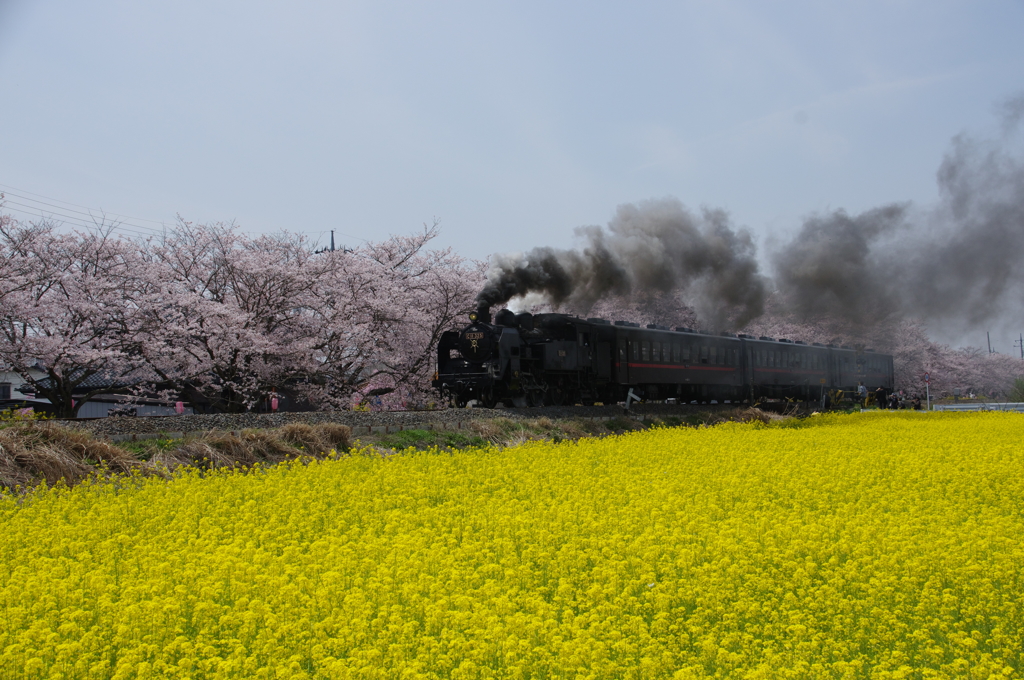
549	319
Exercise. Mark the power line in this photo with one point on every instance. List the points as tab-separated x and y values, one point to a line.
57	200
77	218
64	210
95	223
87	218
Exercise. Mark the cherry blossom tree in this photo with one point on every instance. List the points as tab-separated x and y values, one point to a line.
67	304
226	317
232	318
210	315
381	310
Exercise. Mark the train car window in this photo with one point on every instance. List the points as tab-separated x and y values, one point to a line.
771	359
636	351
735	357
721	356
686	354
703	354
655	351
645	351
713	355
676	354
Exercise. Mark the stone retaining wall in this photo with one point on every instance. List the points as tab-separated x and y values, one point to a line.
357	431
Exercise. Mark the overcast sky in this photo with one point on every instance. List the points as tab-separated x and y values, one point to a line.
511	123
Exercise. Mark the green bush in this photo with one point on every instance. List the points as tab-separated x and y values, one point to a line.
1017	391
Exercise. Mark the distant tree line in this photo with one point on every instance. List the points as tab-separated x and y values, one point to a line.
220	320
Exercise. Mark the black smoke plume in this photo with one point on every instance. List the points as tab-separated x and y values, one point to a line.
656	246
957	265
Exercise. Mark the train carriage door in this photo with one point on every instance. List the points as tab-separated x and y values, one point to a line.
604	360
622	360
746	366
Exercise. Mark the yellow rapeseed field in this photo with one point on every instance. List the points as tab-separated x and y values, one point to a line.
883	545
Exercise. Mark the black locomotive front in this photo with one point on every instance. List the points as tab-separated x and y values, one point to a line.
468	366
517	360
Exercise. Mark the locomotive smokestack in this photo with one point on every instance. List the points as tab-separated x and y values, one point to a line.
652	246
483	312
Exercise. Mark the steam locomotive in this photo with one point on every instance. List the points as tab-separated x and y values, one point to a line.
554	359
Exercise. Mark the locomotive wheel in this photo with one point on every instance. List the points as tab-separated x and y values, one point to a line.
536	398
556	396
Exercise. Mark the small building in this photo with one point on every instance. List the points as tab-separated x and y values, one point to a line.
14	393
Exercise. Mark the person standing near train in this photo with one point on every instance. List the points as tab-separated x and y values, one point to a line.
862	394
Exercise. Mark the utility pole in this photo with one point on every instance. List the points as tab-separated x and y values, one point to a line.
1020	343
332	240
989	335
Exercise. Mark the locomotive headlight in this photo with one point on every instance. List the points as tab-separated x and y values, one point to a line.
472	317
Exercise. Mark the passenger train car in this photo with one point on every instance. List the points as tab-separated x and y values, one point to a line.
522	359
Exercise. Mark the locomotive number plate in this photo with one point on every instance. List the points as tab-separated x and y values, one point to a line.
474	336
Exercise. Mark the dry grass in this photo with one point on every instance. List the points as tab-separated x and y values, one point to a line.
753	413
44	452
495	430
317	440
38	452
